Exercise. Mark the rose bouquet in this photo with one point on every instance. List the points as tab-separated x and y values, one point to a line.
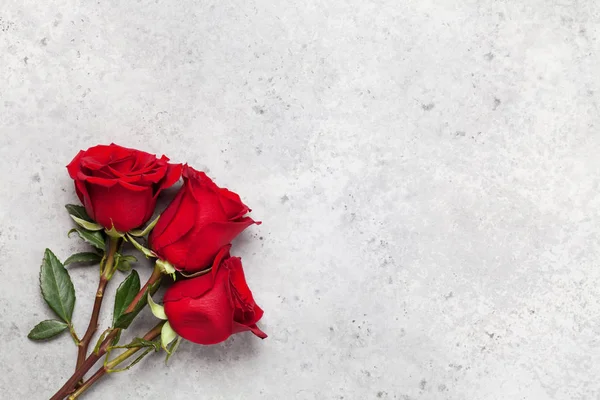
190	243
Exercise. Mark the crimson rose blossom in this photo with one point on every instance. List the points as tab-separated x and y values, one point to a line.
119	186
198	223
210	308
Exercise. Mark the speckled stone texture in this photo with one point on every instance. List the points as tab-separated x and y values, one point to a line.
427	173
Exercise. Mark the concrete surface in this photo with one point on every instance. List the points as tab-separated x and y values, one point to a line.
427	173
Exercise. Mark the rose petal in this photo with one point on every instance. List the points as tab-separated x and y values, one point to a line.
232	204
86	200
125	164
75	165
206	319
220	258
171	228
196	287
153	175
247	311
238	328
118	205
99	156
166	218
172	176
212	237
188	288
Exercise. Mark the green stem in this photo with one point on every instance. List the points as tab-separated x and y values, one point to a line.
151	335
71	383
106	274
87	384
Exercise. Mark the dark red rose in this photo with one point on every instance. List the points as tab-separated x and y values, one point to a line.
119	186
198	223
210	308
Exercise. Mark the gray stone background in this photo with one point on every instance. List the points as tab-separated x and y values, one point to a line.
426	171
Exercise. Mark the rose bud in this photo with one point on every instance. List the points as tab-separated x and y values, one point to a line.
198	223
210	308
119	186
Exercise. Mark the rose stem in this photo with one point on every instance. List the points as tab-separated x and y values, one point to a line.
105	275
155	277
93	358
151	335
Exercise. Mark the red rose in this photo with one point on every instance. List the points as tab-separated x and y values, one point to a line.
198	223
210	308
119	186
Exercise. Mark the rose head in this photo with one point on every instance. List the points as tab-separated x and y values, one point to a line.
119	186
198	223
210	308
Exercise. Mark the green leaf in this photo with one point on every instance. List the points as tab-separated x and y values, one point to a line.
147	252
172	348
129	258
57	288
167	335
157	310
123	266
47	329
90	226
78	211
117	338
86	257
125	320
146	230
94	238
123	263
126	292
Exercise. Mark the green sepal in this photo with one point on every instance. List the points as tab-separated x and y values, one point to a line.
139	342
90	226
85	257
113	233
137	360
157	310
126	293
94	238
196	274
166	267
47	329
172	348
57	287
167	335
146	230
145	251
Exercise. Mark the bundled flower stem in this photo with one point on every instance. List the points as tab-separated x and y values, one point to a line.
109	366
150	287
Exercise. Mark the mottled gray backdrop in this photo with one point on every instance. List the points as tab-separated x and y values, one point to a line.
427	173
